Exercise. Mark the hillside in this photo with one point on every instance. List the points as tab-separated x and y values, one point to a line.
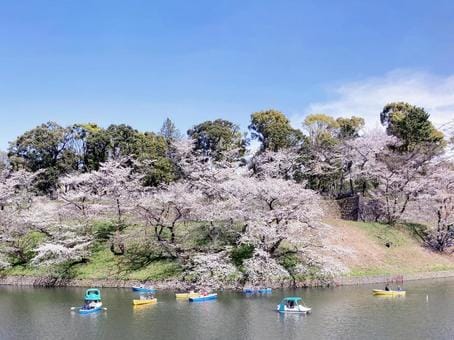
378	249
354	249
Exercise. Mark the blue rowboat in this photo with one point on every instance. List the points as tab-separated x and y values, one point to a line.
90	310
249	290
144	290
92	303
257	291
265	291
202	298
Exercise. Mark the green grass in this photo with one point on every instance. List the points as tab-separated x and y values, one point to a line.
102	265
441	267
384	233
105	265
157	270
371	271
25	271
382	271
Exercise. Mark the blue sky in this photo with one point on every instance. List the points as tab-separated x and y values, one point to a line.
137	62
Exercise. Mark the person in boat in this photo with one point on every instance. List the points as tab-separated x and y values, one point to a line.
93	304
399	288
387	287
86	304
146	297
89	304
290	304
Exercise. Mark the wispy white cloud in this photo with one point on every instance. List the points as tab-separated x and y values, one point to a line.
366	98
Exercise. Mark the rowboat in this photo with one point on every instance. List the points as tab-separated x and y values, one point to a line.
201	298
265	290
143	289
93	302
388	292
293	305
186	295
257	290
249	290
90	310
137	302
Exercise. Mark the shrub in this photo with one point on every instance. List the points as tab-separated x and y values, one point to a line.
241	253
104	230
289	261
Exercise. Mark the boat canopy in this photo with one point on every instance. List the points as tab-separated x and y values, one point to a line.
92	294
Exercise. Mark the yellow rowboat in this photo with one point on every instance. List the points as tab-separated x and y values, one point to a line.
186	295
388	292
137	302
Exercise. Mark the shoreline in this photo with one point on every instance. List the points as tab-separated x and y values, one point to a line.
175	285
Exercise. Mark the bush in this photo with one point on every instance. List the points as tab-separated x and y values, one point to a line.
241	253
104	230
289	261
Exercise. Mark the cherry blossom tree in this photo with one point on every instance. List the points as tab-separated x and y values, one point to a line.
281	164
274	210
118	184
76	192
66	246
16	199
164	209
436	204
392	179
16	188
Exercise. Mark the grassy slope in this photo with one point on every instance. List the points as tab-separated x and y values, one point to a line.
366	255
104	265
370	255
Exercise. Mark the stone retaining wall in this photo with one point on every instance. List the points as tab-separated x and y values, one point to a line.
349	281
177	285
53	282
349	208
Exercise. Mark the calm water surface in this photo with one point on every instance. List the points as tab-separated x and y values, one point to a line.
338	313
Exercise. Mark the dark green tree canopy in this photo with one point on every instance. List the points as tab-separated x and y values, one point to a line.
272	128
48	146
83	147
124	140
217	137
93	144
411	125
148	147
349	127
